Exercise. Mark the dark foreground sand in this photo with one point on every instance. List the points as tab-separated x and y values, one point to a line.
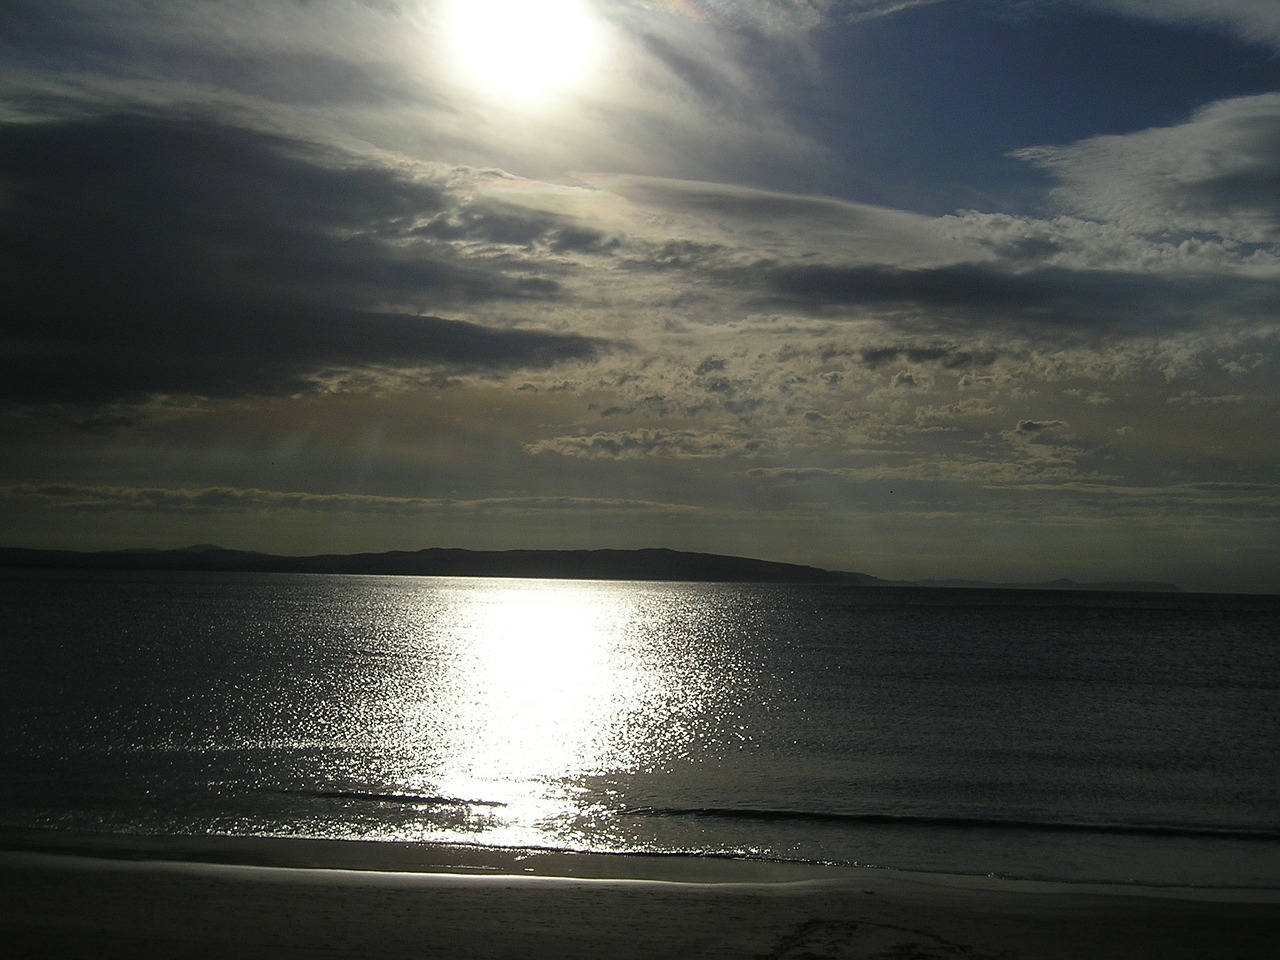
64	895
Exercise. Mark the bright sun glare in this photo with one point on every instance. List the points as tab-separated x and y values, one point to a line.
522	50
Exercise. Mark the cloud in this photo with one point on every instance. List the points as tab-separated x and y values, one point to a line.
89	497
949	356
1216	174
165	253
717	224
774	15
1075	243
1254	20
1259	499
790	15
990	296
634	444
1036	427
668	95
1193	398
965	470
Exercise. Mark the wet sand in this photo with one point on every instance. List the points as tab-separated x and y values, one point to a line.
77	895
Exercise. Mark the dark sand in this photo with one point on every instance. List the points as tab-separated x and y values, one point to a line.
76	895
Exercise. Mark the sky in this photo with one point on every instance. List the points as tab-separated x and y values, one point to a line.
917	288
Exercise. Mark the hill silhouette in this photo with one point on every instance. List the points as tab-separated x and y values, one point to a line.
644	564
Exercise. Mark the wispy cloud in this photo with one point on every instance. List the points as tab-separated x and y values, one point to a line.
623	445
212	500
1213	175
1254	20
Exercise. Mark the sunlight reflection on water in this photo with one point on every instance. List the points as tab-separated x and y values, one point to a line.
510	696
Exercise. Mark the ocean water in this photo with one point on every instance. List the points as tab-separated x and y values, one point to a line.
1071	736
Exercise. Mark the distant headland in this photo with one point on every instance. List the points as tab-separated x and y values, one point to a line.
642	564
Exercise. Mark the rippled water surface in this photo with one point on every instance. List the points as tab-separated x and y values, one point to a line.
1076	736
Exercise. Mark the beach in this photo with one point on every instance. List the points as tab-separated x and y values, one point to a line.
75	895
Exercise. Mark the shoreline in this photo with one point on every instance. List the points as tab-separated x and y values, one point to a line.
69	894
414	857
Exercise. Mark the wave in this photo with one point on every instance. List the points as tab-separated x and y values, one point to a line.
962	823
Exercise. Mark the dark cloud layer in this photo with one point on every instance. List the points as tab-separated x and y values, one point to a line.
950	357
152	254
1077	299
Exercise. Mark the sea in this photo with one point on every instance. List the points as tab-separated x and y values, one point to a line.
1128	738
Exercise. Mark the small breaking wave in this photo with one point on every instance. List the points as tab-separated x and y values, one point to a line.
960	823
378	796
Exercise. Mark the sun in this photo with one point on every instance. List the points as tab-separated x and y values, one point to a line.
522	51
